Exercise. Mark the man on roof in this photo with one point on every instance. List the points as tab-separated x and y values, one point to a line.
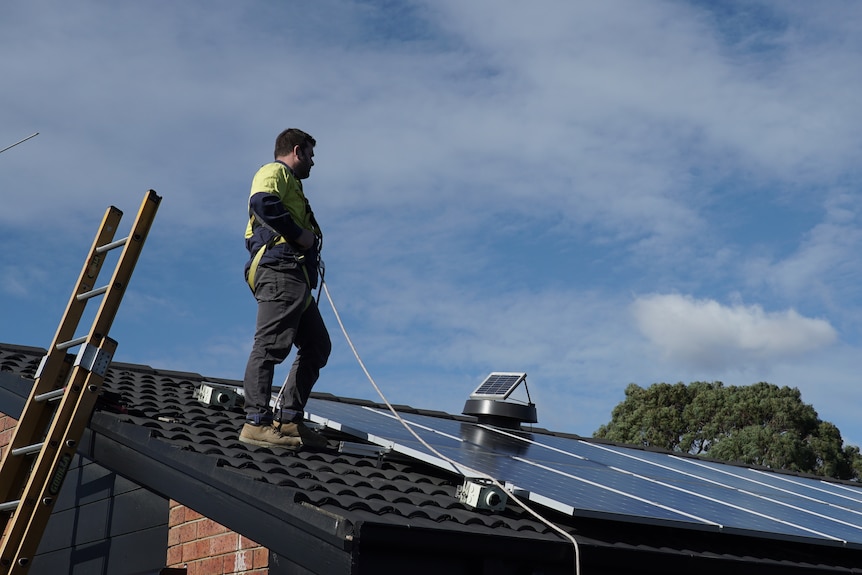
284	242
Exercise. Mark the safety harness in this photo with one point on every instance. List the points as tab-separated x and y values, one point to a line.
279	239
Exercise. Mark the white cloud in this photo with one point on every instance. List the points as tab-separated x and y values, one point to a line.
707	334
826	262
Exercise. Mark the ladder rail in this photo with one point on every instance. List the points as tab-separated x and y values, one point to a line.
49	470
125	266
53	369
77	396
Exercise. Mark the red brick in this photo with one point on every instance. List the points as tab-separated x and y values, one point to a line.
187	552
195	550
208	527
7	429
232	564
173	536
177	515
225	543
211	566
187	532
203	549
261	558
174	557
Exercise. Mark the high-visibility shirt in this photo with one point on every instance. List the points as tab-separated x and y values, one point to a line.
278	213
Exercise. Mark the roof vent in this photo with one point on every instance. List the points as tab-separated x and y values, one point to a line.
492	405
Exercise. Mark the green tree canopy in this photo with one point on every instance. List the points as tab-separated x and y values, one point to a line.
760	424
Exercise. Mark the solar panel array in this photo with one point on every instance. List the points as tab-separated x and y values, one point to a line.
589	479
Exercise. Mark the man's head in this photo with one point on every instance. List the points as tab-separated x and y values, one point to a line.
296	149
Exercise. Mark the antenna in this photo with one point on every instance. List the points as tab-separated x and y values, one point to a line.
19	142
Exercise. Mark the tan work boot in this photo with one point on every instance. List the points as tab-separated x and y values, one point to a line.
300	431
267	436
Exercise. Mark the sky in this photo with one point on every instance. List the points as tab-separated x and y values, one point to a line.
594	193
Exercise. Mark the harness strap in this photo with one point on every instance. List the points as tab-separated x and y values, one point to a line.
255	263
252	269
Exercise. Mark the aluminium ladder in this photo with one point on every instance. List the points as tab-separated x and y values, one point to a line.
64	393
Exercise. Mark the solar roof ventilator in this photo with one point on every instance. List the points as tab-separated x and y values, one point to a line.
490	401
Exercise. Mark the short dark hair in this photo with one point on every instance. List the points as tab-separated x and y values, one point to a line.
288	139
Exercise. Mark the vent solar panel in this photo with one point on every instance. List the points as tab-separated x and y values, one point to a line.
498	385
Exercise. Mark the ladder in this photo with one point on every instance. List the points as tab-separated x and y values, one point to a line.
64	393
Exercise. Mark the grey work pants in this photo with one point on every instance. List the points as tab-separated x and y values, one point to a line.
284	318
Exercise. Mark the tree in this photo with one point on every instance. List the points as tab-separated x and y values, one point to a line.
760	424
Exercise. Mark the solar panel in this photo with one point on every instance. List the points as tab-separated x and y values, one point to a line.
499	385
589	479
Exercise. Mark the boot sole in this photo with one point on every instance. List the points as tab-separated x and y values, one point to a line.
315	444
260	443
315	441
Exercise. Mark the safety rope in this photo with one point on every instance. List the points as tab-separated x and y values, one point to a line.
456	465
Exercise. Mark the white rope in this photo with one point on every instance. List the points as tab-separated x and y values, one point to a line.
455	464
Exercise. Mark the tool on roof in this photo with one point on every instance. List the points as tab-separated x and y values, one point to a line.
64	393
479	493
220	395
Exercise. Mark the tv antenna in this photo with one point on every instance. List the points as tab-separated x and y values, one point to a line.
19	142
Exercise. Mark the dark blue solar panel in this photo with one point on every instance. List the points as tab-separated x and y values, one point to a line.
743	487
801	500
831	493
590	479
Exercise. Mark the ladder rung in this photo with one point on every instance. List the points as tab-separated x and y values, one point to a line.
49	395
112	245
26	450
92	293
10	505
72	342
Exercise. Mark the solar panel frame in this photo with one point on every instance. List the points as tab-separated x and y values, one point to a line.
831	493
498	385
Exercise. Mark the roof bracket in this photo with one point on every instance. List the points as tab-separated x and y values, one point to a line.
364	450
93	359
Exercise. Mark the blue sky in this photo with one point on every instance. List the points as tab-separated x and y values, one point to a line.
595	193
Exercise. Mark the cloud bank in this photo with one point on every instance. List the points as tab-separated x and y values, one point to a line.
703	333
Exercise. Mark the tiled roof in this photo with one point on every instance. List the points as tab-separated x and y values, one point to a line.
359	488
156	432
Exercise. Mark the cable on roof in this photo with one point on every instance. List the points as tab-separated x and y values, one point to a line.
455	464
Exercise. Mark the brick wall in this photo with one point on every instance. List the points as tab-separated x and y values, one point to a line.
205	547
7	428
